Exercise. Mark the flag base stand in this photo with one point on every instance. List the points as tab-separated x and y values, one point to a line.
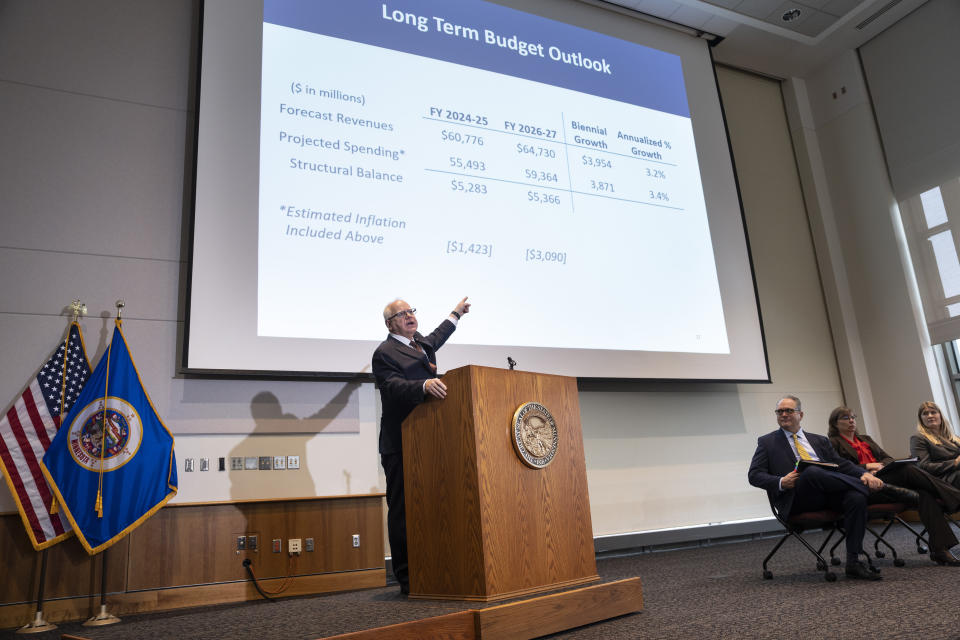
101	619
39	625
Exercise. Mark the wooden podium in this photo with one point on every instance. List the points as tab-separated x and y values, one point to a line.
481	524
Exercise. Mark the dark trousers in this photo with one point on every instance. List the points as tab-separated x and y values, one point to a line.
396	515
929	489
817	489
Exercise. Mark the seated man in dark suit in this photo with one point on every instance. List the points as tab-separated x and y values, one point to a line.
774	468
405	367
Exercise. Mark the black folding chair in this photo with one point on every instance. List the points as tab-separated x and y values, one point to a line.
889	512
923	543
795	526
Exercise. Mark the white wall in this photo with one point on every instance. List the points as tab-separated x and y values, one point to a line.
96	118
887	362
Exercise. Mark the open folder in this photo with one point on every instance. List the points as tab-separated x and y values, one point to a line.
803	464
896	464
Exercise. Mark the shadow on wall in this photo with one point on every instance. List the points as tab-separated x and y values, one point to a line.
265	461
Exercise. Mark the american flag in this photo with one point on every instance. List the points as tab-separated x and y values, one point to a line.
27	429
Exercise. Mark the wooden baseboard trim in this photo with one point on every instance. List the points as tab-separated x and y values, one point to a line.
120	604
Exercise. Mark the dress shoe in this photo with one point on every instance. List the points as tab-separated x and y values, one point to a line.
859	571
944	557
908	497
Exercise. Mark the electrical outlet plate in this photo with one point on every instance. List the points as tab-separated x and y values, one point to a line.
188	464
266	463
204	464
236	463
356	540
250	463
241	543
293	462
251	543
308	544
279	462
294	546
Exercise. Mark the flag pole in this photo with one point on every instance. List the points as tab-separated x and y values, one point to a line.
39	625
104	617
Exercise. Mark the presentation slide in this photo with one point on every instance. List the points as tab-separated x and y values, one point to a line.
513	178
430	150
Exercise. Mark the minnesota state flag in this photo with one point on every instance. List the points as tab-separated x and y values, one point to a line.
111	464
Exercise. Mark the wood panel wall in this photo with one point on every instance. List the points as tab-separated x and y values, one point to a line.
195	545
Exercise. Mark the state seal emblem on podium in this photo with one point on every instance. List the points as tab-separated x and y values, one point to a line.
535	435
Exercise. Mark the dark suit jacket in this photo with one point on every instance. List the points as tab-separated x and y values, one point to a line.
845	450
400	372
936	459
774	459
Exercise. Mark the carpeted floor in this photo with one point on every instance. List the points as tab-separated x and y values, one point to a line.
704	592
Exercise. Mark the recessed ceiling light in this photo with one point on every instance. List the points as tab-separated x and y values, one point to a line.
790	15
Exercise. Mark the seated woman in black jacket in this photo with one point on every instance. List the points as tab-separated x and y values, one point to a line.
864	451
935	446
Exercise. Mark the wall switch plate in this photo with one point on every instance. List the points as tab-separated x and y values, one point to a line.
293	462
241	543
279	462
188	464
222	464
294	546
236	463
356	540
277	545
251	543
250	463
204	464
308	544
266	463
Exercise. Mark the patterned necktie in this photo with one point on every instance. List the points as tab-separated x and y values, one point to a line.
414	345
804	455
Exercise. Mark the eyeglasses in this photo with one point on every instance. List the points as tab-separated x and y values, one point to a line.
851	416
785	412
403	313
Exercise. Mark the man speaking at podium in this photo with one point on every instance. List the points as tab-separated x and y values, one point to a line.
405	367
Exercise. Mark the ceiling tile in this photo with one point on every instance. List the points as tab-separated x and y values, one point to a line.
726	4
720	26
839	7
691	17
659	8
757	8
816	24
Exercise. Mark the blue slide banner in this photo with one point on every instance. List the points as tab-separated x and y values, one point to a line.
498	39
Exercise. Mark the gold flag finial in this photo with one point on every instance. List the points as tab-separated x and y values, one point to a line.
78	309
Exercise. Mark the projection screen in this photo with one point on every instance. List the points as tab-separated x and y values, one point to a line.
564	166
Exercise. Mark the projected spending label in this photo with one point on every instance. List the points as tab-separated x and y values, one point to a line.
386	173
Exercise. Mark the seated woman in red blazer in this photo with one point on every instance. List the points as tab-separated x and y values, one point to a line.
864	451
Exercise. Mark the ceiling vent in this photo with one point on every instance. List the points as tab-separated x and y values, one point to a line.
879	12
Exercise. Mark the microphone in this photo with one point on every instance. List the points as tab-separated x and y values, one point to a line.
511	362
